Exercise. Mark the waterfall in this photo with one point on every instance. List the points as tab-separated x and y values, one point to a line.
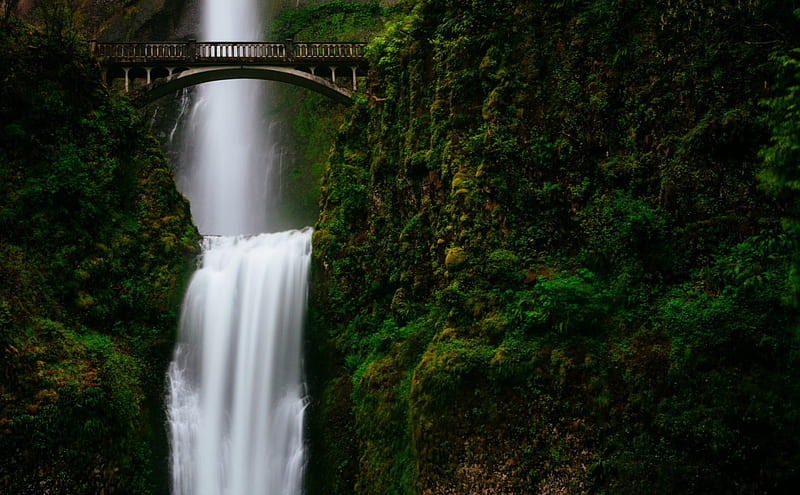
236	397
227	143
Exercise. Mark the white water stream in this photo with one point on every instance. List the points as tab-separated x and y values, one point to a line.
227	142
236	395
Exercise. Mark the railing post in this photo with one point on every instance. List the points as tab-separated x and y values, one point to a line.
192	49
289	43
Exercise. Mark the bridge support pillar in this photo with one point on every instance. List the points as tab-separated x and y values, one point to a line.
288	48
354	77
126	70
313	70
148	70
333	74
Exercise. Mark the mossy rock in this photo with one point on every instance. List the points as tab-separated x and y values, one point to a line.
504	266
455	258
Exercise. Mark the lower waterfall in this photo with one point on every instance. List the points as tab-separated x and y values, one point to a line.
236	396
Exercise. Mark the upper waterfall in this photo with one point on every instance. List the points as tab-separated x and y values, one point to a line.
233	20
228	145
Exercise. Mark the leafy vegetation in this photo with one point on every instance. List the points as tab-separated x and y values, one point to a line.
556	251
310	121
334	20
95	246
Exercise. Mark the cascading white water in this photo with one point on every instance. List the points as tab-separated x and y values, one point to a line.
226	140
236	395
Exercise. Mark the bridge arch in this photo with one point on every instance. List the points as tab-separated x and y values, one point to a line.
199	75
167	66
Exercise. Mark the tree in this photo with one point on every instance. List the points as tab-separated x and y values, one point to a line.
781	173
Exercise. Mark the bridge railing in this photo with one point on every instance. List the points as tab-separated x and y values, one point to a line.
224	51
329	50
142	51
193	52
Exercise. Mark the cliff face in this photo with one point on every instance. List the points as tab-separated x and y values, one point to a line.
122	20
95	247
545	259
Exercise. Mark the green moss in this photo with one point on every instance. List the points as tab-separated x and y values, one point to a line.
336	20
96	249
566	196
455	258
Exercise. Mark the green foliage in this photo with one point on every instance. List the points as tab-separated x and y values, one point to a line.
94	252
61	23
564	302
619	228
780	175
570	198
336	20
310	120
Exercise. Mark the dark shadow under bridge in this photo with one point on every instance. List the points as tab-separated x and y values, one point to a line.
151	70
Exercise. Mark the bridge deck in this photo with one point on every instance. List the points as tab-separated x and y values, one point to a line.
192	53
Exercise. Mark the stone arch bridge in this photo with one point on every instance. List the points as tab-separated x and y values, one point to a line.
151	70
